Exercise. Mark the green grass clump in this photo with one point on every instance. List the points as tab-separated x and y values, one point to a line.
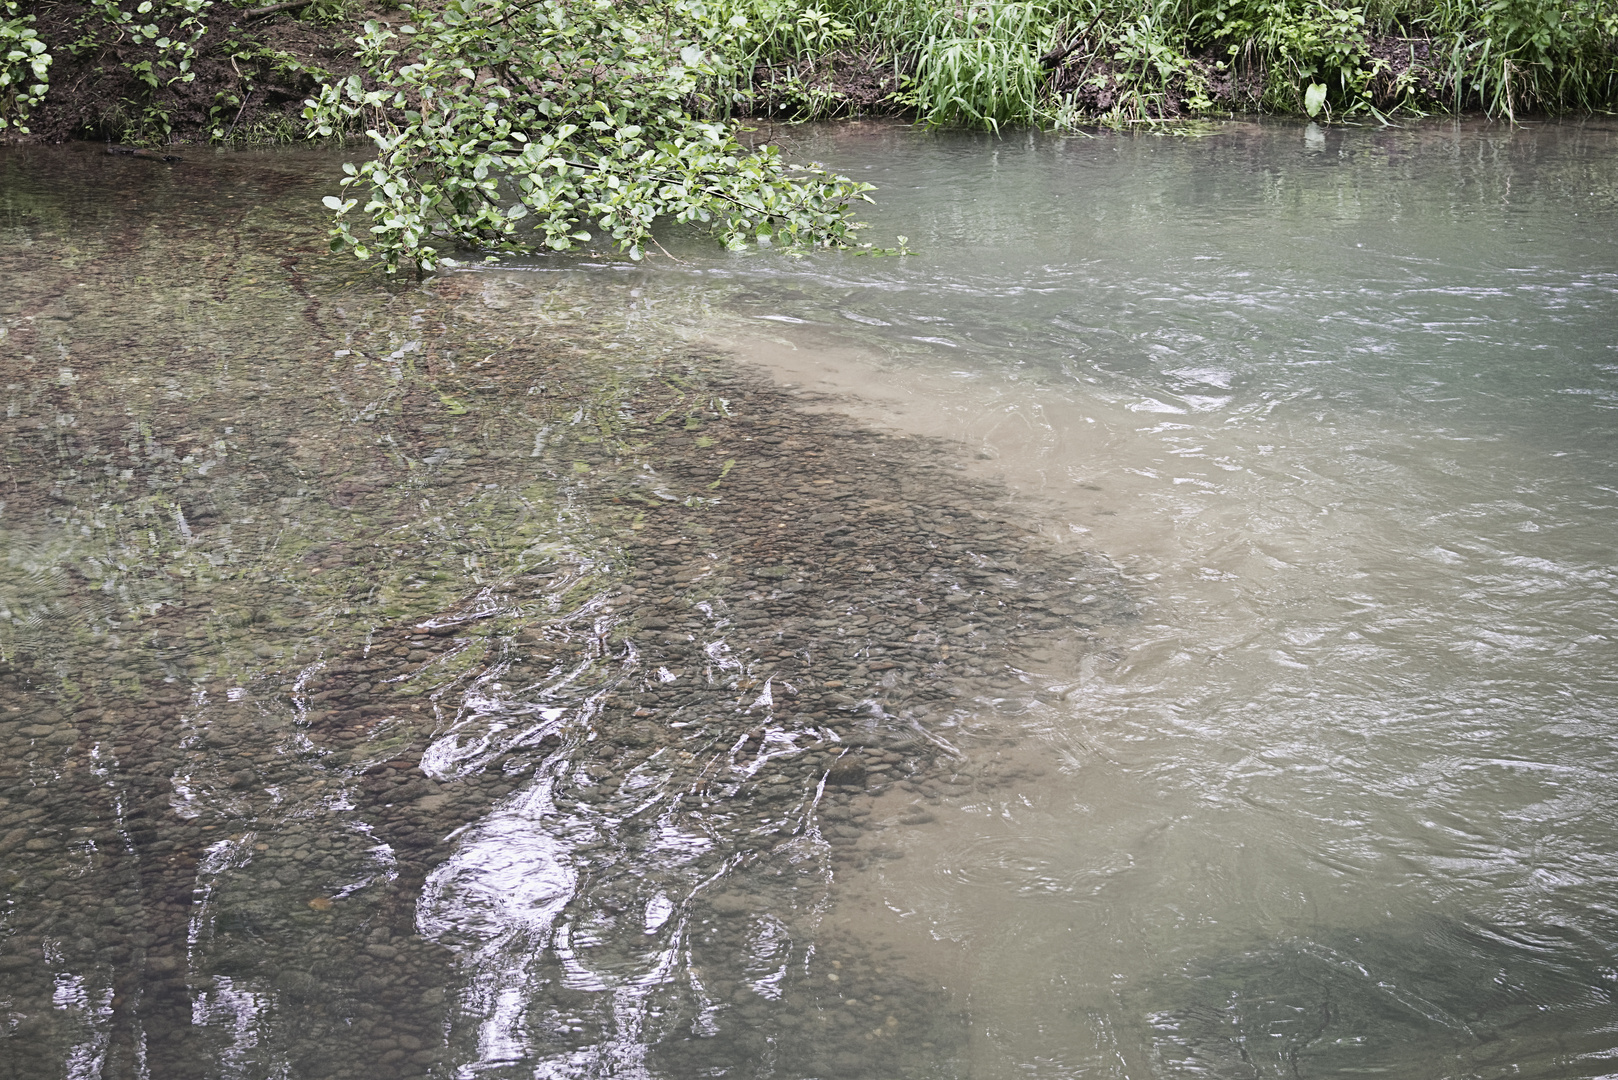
978	65
990	63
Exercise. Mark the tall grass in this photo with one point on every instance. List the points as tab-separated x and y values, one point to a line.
978	62
1513	55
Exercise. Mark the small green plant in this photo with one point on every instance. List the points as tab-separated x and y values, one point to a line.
1517	54
1316	56
1150	51
250	61
155	41
882	253
152	125
171	28
325	11
795	91
25	63
747	32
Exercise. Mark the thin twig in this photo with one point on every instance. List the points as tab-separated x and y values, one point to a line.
664	250
239	112
271	9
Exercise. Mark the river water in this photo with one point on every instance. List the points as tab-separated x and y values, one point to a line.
1161	627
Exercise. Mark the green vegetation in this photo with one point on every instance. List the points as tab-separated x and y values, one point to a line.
497	121
24	67
508	124
1063	62
131	69
512	125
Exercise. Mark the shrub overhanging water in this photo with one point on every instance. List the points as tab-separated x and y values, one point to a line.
509	125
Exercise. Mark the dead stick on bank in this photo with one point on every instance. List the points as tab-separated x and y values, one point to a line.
142	152
271	9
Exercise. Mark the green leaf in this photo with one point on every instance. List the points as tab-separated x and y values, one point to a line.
1314	98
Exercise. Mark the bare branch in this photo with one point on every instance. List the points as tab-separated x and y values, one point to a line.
271	9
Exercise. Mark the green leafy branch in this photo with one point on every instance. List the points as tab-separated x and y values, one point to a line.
505	126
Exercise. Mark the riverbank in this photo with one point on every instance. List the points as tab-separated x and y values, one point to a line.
244	83
201	72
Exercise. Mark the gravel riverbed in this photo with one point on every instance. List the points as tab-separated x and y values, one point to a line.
403	684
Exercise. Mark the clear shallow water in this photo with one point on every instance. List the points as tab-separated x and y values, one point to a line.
1213	585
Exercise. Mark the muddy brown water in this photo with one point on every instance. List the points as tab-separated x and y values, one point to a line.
1162	628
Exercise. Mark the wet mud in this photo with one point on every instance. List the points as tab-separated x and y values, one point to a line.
466	677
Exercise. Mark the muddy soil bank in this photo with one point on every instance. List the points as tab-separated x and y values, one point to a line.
251	77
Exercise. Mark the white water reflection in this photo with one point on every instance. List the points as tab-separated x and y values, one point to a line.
237	1014
89	1009
594	893
494	904
499	903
